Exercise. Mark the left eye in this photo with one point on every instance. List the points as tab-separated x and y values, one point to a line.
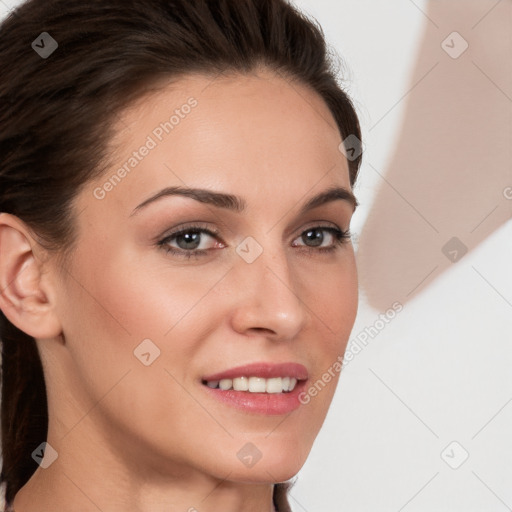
188	240
315	235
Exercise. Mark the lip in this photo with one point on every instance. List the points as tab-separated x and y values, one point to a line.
263	370
259	403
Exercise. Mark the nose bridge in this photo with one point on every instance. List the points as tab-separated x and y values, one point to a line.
267	289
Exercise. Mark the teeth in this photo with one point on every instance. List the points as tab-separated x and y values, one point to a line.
255	384
241	384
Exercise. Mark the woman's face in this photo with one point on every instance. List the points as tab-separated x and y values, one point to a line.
144	325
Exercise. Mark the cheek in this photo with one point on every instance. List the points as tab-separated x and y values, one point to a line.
331	295
127	297
340	301
118	301
113	303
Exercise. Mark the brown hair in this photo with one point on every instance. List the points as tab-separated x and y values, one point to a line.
56	119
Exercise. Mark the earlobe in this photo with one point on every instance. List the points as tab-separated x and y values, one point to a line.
24	299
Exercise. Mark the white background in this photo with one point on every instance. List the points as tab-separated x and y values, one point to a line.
437	133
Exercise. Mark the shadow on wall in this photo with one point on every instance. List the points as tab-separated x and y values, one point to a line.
449	182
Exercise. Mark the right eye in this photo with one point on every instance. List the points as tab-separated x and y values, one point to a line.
190	239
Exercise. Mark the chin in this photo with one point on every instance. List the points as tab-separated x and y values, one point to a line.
264	475
275	465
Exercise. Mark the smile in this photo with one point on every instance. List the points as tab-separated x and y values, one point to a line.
255	384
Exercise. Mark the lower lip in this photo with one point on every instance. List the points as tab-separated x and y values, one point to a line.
260	403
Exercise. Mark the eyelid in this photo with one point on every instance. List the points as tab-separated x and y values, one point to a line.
320	223
188	226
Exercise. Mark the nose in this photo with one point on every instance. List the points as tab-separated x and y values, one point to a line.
267	297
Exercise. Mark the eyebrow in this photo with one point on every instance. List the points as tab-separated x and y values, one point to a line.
238	205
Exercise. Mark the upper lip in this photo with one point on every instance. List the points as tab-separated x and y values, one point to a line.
264	370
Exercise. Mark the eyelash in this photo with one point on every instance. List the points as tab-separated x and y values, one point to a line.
340	238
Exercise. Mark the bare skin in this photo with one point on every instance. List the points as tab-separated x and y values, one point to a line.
137	438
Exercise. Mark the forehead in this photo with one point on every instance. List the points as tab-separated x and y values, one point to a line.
248	134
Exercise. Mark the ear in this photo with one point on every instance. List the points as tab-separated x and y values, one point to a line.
24	287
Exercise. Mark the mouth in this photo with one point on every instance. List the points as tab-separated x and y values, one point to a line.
261	388
259	377
253	384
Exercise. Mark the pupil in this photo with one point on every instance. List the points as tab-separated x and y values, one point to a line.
318	239
190	238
